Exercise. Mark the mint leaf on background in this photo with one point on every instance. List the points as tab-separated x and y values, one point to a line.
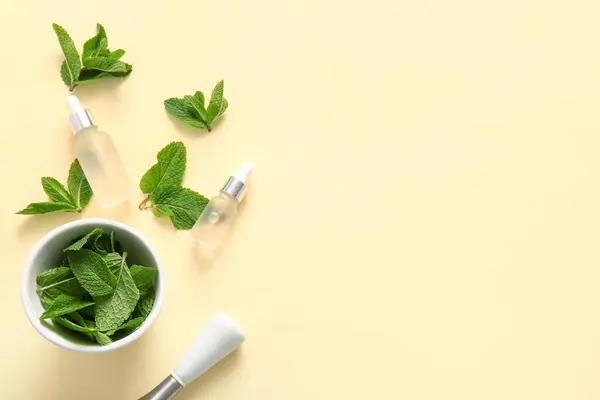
182	205
64	304
105	64
75	199
56	191
79	186
72	64
169	169
217	105
96	45
112	310
96	61
191	109
92	272
180	109
46	207
197	106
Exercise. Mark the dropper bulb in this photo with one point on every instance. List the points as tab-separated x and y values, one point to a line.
74	104
244	173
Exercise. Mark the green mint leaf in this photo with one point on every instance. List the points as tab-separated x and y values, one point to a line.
104	64
90	239
56	191
88	75
145	304
72	65
79	186
112	310
96	45
169	169
92	272
143	277
128	69
64	304
102	245
179	109
65	323
113	241
59	281
102	339
114	260
217	104
197	107
182	205
46	207
127	327
200	97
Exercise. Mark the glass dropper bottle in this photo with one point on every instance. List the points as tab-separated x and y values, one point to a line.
220	213
98	158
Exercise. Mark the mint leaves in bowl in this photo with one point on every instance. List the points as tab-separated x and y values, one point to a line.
92	285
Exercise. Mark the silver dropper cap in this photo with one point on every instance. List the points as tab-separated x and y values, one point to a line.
236	185
80	117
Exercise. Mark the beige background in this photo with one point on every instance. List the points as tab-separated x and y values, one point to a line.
424	218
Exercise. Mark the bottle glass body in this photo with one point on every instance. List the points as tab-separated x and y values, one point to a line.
102	166
215	221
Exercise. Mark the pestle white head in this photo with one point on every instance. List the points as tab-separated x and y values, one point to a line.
220	337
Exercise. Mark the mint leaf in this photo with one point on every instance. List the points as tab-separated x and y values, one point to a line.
113	241
112	310
105	64
180	109
102	339
92	272
217	105
114	260
46	207
65	323
182	205
145	304
88	238
56	191
143	277
128	326
197	106
72	65
169	169
64	304
96	45
200	97
58	281
79	186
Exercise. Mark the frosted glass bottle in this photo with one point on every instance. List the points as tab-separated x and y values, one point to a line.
99	158
220	213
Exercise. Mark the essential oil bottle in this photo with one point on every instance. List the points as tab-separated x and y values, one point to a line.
99	158
220	213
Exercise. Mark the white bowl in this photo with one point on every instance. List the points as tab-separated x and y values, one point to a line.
46	254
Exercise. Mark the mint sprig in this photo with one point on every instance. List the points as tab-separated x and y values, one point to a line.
192	111
96	61
75	199
165	195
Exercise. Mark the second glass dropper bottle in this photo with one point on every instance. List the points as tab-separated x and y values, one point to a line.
98	158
